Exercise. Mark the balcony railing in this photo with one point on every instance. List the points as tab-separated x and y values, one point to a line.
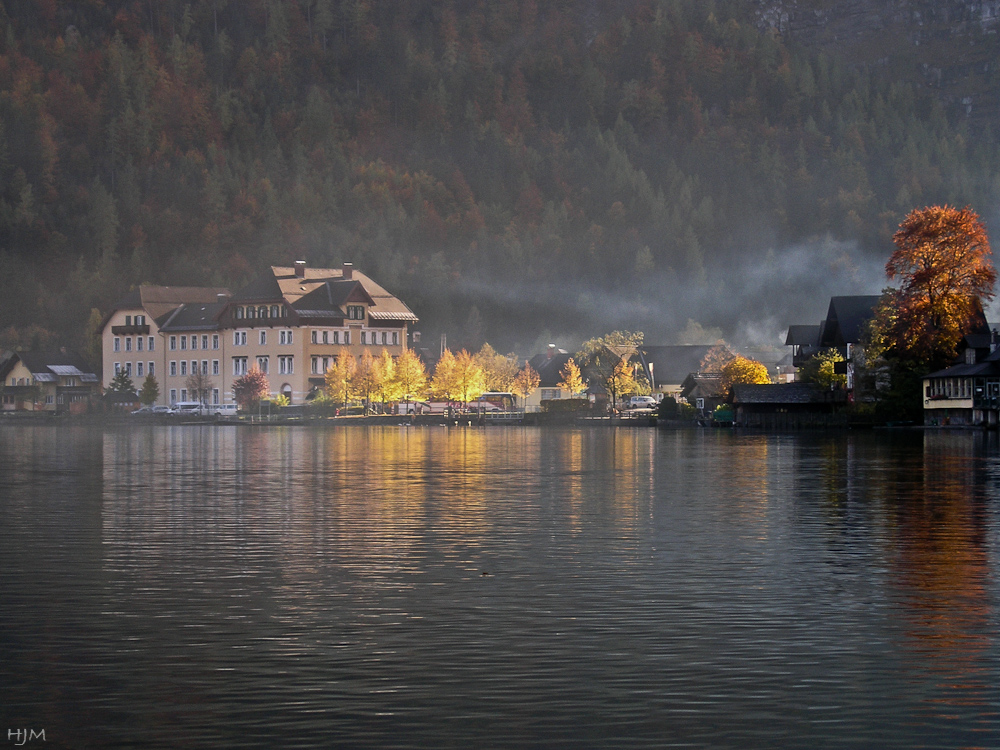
132	330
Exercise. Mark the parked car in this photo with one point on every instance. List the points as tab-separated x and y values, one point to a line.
161	410
642	402
148	410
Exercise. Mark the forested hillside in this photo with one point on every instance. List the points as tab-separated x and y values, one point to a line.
505	166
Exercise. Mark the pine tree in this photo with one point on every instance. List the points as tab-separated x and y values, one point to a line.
150	391
121	383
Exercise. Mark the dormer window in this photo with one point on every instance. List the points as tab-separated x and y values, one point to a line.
274	311
262	311
355	312
251	312
128	320
239	313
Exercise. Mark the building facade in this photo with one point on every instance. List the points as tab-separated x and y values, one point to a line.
291	322
56	382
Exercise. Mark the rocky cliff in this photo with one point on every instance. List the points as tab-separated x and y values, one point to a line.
948	45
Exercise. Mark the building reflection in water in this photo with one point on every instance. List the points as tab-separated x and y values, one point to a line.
942	569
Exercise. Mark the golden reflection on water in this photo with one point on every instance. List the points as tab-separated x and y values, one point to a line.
748	478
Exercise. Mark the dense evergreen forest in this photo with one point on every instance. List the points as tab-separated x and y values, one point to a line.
513	169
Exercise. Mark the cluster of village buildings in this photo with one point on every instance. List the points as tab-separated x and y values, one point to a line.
292	322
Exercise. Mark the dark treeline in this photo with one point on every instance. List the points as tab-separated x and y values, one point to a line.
477	158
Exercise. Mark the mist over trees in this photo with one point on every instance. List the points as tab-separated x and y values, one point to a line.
504	167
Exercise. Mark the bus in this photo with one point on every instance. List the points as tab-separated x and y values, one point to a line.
494	401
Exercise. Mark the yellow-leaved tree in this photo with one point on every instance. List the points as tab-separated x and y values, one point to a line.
499	371
443	381
386	388
339	379
409	378
572	380
525	382
468	377
742	370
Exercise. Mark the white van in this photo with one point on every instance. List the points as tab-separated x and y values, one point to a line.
225	410
187	408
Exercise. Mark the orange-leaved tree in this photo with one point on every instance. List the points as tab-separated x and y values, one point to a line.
250	388
717	357
943	262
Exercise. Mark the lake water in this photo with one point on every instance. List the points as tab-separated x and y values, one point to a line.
498	587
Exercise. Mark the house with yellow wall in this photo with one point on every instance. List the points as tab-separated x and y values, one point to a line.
56	381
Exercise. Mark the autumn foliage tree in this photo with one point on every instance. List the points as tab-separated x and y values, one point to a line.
943	263
250	388
340	379
572	380
410	376
743	371
717	357
526	381
821	369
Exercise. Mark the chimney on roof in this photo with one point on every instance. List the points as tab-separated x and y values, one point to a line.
300	269
220	297
552	351
348	270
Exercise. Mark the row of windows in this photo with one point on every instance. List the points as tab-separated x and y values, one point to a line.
183	367
374	338
138	343
240	338
140	320
194	342
141	369
388	338
285	365
251	312
950	387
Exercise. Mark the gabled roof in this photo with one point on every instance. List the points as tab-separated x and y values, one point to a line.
781	393
49	366
330	298
549	365
802	336
845	319
194	317
310	292
672	364
990	366
702	385
158	301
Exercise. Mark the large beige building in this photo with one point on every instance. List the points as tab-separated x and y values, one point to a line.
291	322
131	340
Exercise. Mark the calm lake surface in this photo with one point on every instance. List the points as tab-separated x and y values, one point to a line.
440	587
